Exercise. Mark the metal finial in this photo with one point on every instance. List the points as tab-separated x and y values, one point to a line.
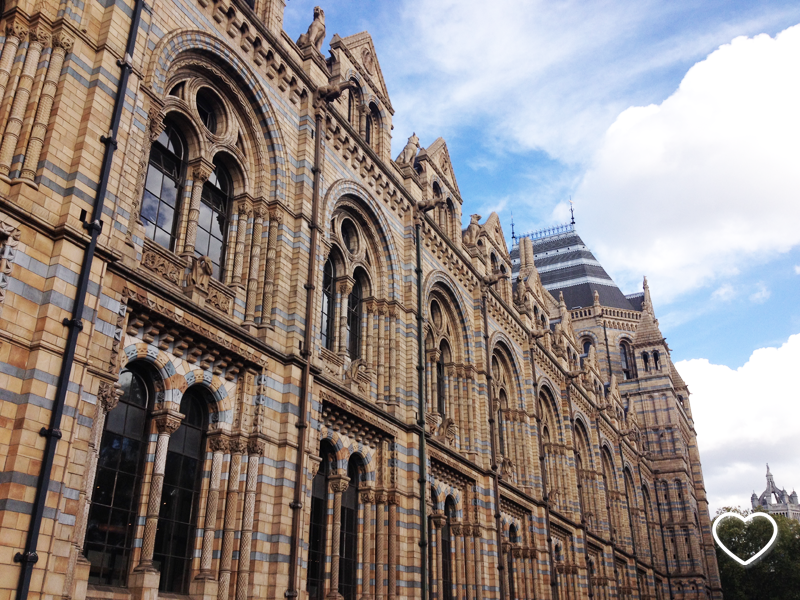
513	235
571	211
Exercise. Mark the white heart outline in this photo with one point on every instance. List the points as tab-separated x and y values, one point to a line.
758	555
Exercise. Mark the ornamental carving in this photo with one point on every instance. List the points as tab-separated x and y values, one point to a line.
159	264
201	272
108	395
17	30
219	300
168	423
256	447
62	40
9	239
218	444
238	446
338	484
368	497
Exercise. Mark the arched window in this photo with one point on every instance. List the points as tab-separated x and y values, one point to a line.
348	544
626	358
501	423
646	361
447	550
318	524
161	196
656	360
120	463
372	128
441	398
212	224
174	547
587	344
326	322
353	101
354	309
513	537
368	130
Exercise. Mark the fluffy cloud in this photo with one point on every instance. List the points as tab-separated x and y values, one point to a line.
746	418
706	182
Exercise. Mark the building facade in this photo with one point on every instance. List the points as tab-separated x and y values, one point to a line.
244	353
776	501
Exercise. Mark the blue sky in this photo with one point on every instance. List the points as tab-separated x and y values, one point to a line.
672	125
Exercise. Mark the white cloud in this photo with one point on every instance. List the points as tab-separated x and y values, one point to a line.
797	269
761	295
695	184
745	418
724	293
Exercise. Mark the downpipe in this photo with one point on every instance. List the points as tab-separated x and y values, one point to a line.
29	557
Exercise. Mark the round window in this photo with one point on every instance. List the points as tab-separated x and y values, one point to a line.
208	109
436	314
349	236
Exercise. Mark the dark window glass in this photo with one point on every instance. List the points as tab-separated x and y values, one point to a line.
656	360
162	187
174	545
447	546
368	130
512	537
646	361
440	391
212	226
326	324
501	424
348	559
626	358
586	345
318	527
112	515
354	321
207	109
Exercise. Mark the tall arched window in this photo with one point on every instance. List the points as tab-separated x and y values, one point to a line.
348	546
368	130
656	360
513	537
626	358
501	424
645	361
447	550
212	225
587	344
112	515
318	525
161	197
326	323
354	309
441	384
174	547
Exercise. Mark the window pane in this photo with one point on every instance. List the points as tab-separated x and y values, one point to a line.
206	215
218	224
169	191
154	179
165	217
149	207
162	238
201	243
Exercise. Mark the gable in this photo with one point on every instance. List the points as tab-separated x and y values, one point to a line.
361	52
439	156
494	229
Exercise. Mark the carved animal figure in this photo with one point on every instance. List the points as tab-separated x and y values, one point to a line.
473	230
316	31
409	153
201	272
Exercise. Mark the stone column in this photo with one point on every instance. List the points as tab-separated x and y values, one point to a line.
218	446
469	560
519	575
460	576
62	44
472	446
527	572
255	264
343	289
201	171
380	543
392	398
365	323
392	546
369	317
367	499
438	521
381	313
245	212
337	485
167	422
237	448
275	219
38	39
476	534
255	450
505	548
16	32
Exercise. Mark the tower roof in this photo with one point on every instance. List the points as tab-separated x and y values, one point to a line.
566	265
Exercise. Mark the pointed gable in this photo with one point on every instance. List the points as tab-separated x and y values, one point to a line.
439	157
647	331
494	229
361	52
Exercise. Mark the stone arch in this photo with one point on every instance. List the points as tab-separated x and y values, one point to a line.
500	341
170	48
444	491
346	448
391	256
443	281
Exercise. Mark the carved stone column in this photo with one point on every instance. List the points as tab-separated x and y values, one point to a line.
237	448
275	219
16	32
380	543
392	398
343	289
365	323
392	546
469	560
38	39
62	44
369	317
477	536
519	572
218	445
201	171
504	580
381	317
367	499
438	521
254	268
254	452
167	423
244	214
337	485
460	578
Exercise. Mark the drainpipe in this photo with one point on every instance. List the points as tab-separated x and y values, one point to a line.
495	470
305	385
608	352
28	557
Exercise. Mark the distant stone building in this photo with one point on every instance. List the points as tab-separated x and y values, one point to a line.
785	504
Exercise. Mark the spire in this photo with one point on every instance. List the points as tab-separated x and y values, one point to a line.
513	235
571	211
647	303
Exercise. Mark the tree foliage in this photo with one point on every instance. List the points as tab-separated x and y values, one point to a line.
776	577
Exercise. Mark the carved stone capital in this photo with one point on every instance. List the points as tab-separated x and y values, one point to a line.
41	35
17	30
167	421
218	443
256	447
368	497
276	215
108	395
338	483
381	497
201	170
344	287
238	446
155	123
63	40
438	521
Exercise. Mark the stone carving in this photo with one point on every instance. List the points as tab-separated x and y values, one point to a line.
409	153
238	446
158	264
368	61
473	230
338	484
108	395
218	444
316	31
219	300
201	272
168	423
356	376
256	447
9	238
